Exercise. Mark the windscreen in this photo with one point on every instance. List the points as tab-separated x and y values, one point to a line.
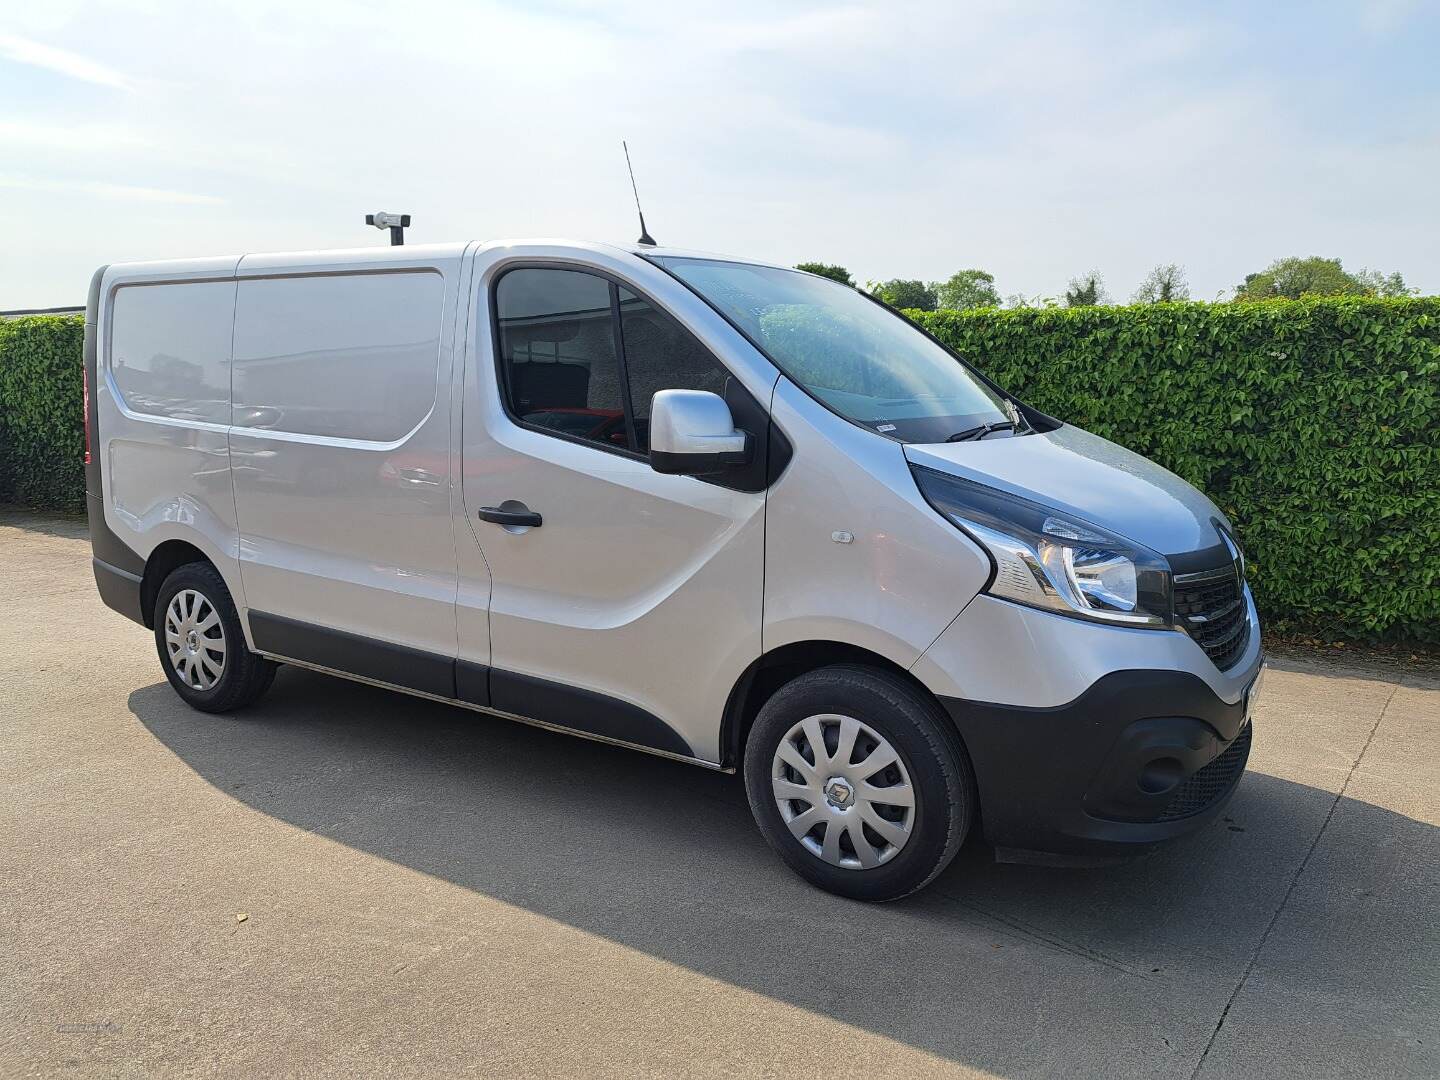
857	357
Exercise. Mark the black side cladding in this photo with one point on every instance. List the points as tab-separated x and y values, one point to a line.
399	665
583	710
570	707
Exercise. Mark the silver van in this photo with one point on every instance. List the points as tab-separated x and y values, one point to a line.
728	513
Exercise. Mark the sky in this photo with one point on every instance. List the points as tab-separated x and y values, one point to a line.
1036	141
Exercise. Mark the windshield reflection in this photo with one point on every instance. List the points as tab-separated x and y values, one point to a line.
854	355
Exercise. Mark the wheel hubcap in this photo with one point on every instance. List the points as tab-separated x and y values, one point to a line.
839	794
195	639
843	791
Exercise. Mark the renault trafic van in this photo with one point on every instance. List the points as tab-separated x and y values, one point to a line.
728	513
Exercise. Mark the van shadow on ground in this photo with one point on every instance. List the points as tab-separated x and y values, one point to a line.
1124	969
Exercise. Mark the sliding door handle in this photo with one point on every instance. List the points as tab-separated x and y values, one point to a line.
511	513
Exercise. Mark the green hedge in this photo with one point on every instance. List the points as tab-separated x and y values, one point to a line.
1312	423
42	422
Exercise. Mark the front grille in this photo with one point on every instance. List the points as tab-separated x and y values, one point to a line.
1210	782
1211	607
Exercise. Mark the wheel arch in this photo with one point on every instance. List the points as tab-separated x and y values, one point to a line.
166	557
772	670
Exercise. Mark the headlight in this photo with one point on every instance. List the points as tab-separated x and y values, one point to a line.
1048	559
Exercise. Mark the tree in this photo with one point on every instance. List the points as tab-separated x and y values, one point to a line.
1295	277
1391	286
899	293
1017	300
1161	285
1086	290
827	270
967	289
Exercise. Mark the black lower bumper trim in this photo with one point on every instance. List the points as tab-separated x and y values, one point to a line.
1099	776
105	545
119	589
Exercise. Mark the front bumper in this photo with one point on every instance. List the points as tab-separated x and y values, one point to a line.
1139	758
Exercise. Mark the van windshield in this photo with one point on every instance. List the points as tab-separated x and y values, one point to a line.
856	356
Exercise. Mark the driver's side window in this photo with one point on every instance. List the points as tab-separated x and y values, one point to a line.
581	357
558	356
661	355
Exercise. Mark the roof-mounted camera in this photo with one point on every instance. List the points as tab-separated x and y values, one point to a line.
396	223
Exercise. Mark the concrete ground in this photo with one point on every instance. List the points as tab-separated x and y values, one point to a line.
343	881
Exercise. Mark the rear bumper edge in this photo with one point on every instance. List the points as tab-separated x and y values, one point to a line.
120	590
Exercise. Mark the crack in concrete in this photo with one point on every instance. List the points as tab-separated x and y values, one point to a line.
1294	880
1024	931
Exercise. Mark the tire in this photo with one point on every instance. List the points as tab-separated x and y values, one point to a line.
201	644
909	846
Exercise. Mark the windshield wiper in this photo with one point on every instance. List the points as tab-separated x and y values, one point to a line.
980	431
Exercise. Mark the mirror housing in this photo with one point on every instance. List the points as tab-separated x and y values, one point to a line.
692	434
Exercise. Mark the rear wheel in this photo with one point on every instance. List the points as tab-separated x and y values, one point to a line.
858	782
201	645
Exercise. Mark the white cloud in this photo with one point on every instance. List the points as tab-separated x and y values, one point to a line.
86	138
1383	17
21	50
101	190
904	139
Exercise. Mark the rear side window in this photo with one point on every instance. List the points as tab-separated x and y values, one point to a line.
352	356
170	349
558	352
570	367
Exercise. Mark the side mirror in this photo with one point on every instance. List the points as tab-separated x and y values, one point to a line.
693	433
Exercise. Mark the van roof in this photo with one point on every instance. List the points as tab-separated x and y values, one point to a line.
379	255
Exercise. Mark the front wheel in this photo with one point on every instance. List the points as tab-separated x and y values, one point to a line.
201	645
858	782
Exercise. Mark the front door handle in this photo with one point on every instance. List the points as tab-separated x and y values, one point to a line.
510	513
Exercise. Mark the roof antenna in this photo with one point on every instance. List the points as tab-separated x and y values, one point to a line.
645	238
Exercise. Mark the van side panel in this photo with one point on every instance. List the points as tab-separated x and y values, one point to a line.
168	458
342	459
633	611
161	404
853	553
